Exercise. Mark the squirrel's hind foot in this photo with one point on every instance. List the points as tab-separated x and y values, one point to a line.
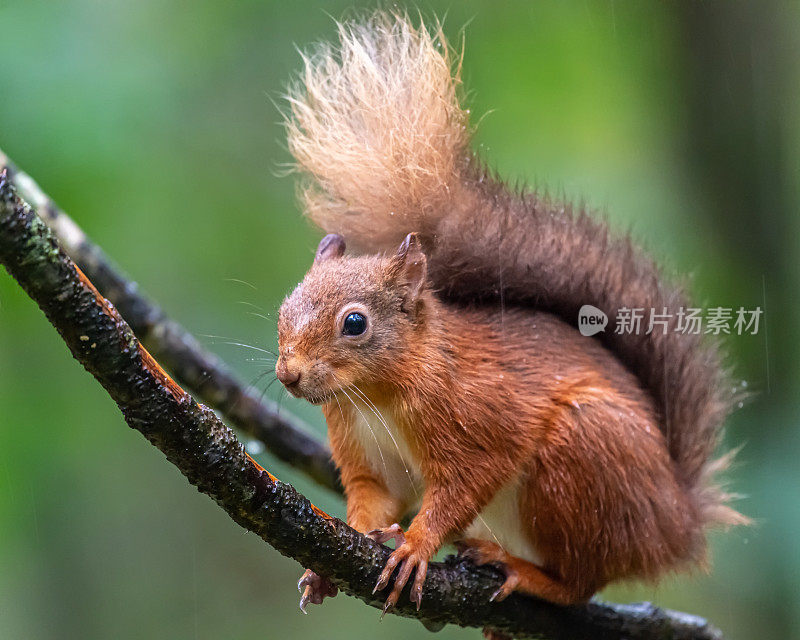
521	575
315	589
482	552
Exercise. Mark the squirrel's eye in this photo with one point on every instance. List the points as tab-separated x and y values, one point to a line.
354	325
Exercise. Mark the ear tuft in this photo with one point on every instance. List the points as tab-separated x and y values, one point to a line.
331	246
410	267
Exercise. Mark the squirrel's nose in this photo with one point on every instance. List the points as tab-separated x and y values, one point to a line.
287	377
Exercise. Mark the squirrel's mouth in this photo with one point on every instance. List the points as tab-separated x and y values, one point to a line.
316	397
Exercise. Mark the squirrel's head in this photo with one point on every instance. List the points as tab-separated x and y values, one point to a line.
347	322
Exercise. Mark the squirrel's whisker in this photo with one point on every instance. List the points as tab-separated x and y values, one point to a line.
235	342
341	413
369	426
250	346
257	308
261	315
253	385
244	282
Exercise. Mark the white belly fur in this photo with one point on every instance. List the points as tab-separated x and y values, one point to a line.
391	458
388	452
500	522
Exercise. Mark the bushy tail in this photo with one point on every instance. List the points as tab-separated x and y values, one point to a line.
376	127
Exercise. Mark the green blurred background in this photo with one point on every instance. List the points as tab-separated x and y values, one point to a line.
152	123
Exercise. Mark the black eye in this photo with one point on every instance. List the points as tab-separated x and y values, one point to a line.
354	324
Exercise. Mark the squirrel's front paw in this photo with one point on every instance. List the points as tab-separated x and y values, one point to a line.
315	589
408	557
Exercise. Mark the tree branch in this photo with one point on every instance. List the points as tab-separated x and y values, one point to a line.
202	372
208	454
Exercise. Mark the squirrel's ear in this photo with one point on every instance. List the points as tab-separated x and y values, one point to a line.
331	246
409	268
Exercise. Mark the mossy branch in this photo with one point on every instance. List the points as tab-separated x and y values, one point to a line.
210	457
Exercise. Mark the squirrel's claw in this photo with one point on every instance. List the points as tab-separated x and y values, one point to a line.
407	559
481	554
381	536
315	589
511	582
419	580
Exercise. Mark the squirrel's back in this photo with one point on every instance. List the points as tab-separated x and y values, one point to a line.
377	128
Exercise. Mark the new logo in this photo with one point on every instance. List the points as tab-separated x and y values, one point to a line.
591	320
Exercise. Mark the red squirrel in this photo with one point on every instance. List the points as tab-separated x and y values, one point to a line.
445	353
